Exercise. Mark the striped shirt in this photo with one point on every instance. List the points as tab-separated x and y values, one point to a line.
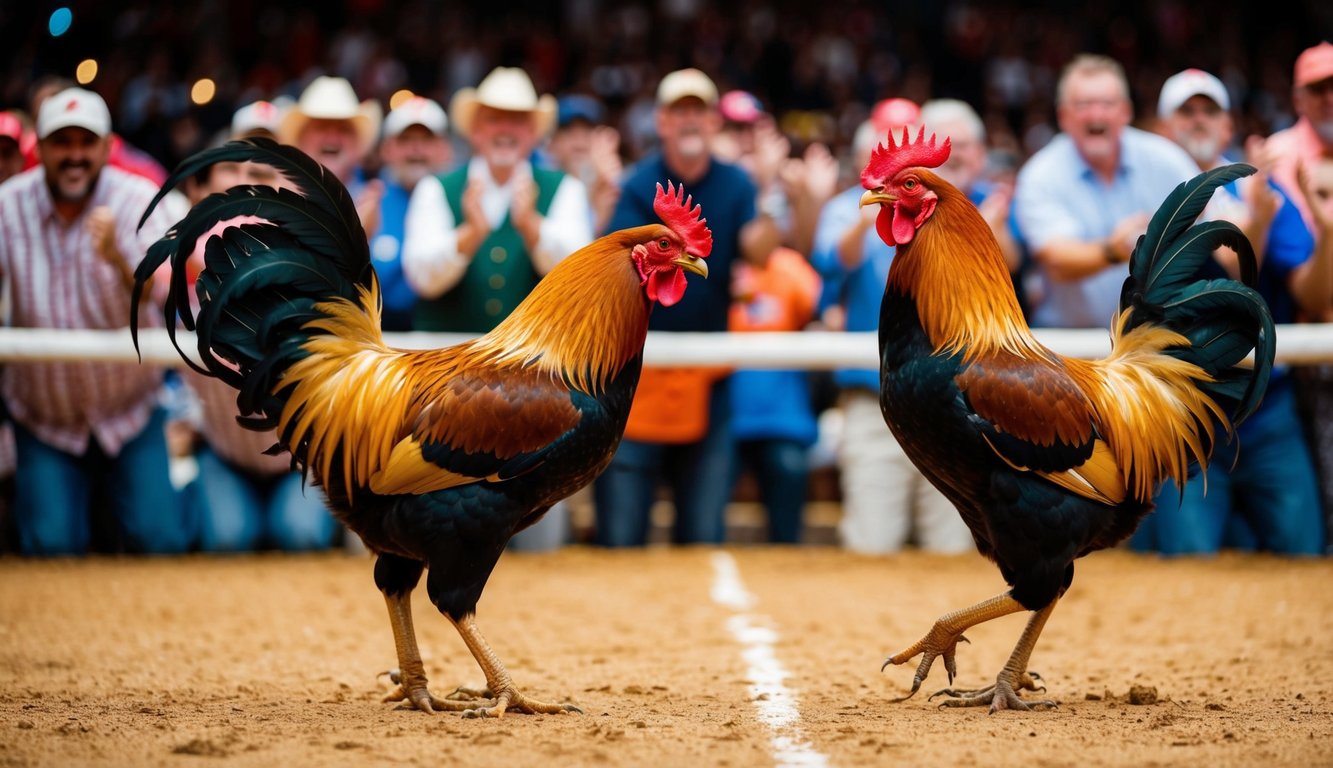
56	280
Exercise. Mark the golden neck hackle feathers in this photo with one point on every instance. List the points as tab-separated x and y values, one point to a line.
954	271
584	322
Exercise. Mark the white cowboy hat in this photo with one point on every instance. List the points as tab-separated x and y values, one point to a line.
332	98
507	88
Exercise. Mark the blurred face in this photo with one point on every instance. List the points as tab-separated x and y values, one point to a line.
11	158
504	138
967	159
1314	102
1202	127
686	128
72	159
571	146
224	176
333	143
1094	112
1321	183
414	154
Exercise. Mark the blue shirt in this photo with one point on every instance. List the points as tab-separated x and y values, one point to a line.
861	290
727	196
386	253
1058	195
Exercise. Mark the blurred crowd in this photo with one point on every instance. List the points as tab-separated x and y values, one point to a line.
482	146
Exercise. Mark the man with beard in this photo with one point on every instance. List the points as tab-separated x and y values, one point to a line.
413	147
1082	201
679	430
88	433
479	238
330	125
1264	496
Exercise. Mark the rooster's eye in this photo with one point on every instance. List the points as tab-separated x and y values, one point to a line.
909	185
663	244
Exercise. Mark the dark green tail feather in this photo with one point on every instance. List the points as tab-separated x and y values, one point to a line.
1224	320
261	281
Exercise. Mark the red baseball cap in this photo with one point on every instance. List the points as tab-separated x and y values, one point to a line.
11	127
1314	64
894	113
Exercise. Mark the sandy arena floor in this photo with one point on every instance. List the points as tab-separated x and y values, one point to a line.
272	660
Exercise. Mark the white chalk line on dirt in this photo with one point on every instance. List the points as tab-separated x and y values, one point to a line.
774	700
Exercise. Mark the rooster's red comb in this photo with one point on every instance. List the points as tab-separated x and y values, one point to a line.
681	214
885	161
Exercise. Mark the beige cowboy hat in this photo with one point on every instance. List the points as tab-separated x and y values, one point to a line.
332	98
507	88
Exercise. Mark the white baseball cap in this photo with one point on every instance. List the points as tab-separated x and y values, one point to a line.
259	117
417	110
1179	87
74	107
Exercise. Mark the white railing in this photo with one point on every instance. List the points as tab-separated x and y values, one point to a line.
812	350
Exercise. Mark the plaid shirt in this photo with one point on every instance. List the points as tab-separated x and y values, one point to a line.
56	280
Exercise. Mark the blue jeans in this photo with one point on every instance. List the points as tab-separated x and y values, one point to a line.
239	511
782	469
1269	500
699	475
54	492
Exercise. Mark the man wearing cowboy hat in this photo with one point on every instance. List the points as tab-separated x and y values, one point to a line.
330	125
478	241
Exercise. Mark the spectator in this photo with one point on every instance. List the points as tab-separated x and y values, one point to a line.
1083	200
1311	137
1315	383
886	501
479	238
966	169
585	148
69	239
331	126
415	146
691	449
122	155
11	145
1264	482
773	418
259	118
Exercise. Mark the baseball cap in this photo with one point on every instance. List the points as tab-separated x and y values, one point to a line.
11	127
259	117
684	83
417	110
894	113
577	107
740	107
1314	64
73	107
1179	87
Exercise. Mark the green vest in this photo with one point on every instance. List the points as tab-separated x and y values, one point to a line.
500	274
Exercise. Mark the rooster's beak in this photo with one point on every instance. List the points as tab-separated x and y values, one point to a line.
693	264
876	197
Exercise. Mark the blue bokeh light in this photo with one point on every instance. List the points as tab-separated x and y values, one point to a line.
61	18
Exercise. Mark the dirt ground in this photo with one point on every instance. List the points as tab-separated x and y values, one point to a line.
272	660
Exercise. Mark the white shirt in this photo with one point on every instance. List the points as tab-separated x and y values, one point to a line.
431	261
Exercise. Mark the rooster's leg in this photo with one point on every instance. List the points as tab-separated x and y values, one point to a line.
507	697
942	639
411	673
1014	677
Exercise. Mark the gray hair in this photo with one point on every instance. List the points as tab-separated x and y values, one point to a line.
1090	64
953	112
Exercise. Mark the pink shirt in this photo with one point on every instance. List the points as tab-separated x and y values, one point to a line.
57	281
1297	144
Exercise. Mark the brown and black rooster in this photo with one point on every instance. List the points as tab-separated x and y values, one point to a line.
434	457
1050	458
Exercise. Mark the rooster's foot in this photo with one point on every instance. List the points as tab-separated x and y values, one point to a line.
510	700
938	643
1002	695
463	693
413	692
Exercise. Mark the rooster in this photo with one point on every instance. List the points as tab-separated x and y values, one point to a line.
434	457
1049	458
